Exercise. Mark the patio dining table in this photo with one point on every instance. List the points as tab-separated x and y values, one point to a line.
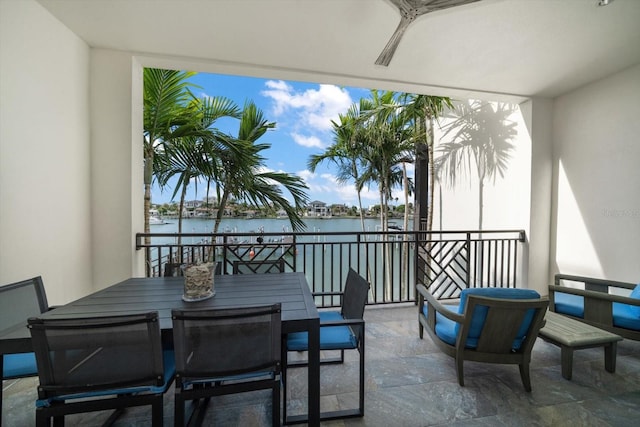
162	294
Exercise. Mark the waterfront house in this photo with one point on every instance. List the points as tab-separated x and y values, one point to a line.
318	208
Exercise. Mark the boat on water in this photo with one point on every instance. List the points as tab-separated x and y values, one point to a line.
156	220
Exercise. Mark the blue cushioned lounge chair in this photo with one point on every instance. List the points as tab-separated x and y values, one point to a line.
491	325
606	304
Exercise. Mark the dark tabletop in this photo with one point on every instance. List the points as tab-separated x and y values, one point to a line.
162	294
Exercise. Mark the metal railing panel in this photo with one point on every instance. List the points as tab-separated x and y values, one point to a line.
394	262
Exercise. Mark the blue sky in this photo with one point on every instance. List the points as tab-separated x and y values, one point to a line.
302	113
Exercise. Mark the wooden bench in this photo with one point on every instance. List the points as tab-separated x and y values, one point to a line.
570	335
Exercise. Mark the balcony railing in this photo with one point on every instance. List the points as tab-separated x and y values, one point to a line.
393	261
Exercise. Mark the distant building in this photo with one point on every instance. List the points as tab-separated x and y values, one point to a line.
339	210
192	204
318	208
210	200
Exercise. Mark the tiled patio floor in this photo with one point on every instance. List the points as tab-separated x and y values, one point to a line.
410	383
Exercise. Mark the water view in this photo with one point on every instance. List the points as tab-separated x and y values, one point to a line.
271	225
324	258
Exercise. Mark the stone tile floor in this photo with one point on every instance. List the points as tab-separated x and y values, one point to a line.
410	383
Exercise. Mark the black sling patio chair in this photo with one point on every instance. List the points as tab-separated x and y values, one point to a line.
343	330
18	302
100	363
226	351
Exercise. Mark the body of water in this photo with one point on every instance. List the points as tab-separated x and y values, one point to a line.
271	225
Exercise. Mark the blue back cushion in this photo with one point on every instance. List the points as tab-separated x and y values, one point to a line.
570	304
625	315
480	313
635	309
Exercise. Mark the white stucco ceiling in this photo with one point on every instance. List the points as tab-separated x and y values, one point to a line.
513	47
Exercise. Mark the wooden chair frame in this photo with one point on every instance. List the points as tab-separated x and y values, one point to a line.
503	320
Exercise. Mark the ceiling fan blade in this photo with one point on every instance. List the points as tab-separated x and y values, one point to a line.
392	44
409	11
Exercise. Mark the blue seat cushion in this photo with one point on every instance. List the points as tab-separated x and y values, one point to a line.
19	365
445	328
570	304
331	337
169	372
624	316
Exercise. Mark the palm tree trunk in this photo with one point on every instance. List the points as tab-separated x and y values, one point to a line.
148	173
183	195
432	173
480	252
404	267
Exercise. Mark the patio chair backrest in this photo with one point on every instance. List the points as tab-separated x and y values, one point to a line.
497	317
356	293
215	343
21	300
83	355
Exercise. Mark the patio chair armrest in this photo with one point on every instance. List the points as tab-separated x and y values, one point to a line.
437	306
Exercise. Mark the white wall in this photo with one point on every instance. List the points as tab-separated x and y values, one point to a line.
116	172
539	115
596	207
506	200
45	226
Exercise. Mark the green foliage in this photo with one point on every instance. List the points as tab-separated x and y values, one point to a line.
181	140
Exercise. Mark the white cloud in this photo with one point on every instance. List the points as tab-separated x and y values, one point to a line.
325	187
315	108
307	141
306	174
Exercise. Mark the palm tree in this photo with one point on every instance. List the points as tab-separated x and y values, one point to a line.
387	146
345	153
480	137
241	173
422	111
165	116
190	157
186	159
